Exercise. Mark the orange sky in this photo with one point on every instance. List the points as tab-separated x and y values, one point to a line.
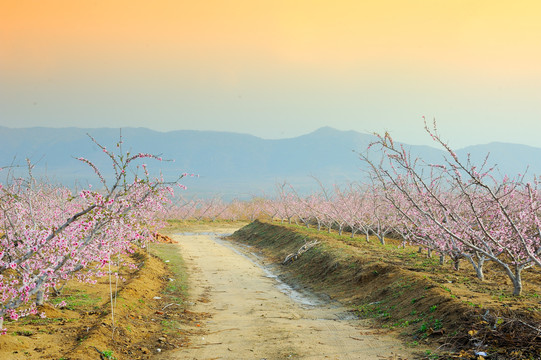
223	44
472	35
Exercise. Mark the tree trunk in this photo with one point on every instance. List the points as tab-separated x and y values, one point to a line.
478	267
429	253
516	277
517	281
479	271
517	285
456	263
442	259
39	297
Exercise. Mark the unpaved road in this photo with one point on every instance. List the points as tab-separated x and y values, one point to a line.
251	318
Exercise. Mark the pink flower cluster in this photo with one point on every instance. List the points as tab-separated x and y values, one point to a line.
50	235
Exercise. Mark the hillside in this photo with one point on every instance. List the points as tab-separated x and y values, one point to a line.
229	164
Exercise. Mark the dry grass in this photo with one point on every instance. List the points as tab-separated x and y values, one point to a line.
406	291
145	317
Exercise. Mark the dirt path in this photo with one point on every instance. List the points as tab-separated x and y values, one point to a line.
251	318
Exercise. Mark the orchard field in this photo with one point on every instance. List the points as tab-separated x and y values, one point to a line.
445	255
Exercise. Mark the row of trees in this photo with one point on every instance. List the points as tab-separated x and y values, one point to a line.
50	234
213	209
458	221
455	208
463	209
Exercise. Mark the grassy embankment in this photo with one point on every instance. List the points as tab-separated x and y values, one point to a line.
149	314
406	291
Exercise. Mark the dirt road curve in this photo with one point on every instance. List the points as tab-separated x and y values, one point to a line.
251	318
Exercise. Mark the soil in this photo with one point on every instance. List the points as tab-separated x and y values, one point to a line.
250	317
407	291
232	308
84	329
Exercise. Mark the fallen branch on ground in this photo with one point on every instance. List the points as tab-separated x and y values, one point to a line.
166	306
294	256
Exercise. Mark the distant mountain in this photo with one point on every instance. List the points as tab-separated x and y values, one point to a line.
510	159
229	164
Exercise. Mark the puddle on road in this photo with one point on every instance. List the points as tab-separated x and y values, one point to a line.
301	296
298	295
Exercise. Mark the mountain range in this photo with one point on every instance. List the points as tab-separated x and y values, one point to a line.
228	164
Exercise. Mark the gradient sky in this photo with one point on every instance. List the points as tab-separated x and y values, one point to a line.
276	68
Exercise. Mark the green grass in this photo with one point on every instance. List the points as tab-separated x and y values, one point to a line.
108	354
44	321
170	326
78	300
178	287
373	310
23	333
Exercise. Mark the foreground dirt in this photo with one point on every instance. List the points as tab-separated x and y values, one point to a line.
237	310
250	318
84	329
449	312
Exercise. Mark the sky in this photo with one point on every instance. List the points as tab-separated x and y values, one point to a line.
276	68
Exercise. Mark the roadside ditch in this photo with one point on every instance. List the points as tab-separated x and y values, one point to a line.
430	307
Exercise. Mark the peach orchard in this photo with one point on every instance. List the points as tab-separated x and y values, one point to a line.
455	208
458	209
50	234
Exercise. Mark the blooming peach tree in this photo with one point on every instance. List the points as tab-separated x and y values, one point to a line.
48	234
463	210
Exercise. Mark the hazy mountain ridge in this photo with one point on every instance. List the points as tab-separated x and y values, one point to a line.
511	159
230	164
